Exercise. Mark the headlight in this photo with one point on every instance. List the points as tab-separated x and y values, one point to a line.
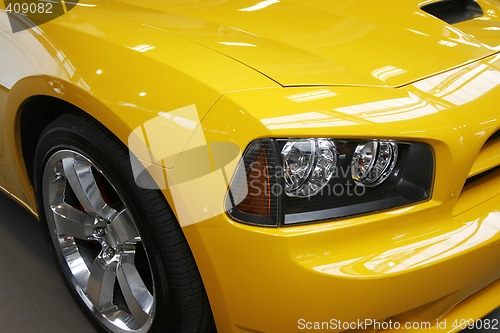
308	165
373	162
289	181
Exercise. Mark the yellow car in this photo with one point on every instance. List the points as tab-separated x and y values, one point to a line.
254	166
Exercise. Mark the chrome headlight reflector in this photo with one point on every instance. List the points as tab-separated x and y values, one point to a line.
289	181
308	165
373	162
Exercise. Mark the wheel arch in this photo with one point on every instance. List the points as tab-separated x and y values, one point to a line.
32	104
36	113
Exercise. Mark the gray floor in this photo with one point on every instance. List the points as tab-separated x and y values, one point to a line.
33	298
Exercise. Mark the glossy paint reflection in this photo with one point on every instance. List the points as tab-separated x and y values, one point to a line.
423	98
326	43
419	254
23	54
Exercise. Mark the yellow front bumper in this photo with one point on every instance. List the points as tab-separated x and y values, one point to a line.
413	264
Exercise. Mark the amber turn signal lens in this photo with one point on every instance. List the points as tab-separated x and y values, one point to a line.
258	197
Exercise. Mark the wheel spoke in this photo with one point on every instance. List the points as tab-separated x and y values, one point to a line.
71	222
76	263
82	181
101	283
138	298
123	228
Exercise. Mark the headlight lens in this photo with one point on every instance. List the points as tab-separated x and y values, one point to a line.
290	181
373	162
308	165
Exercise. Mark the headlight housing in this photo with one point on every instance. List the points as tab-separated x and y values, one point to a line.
290	181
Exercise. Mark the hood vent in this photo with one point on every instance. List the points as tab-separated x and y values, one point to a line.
454	11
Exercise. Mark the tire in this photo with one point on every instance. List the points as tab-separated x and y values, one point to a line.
118	246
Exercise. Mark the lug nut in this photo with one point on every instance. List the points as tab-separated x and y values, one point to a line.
109	253
98	232
58	178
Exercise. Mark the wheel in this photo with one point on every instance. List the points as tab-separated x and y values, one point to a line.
118	246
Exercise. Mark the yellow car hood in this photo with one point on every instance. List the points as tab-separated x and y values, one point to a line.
327	42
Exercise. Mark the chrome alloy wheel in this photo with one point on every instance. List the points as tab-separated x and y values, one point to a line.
98	243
